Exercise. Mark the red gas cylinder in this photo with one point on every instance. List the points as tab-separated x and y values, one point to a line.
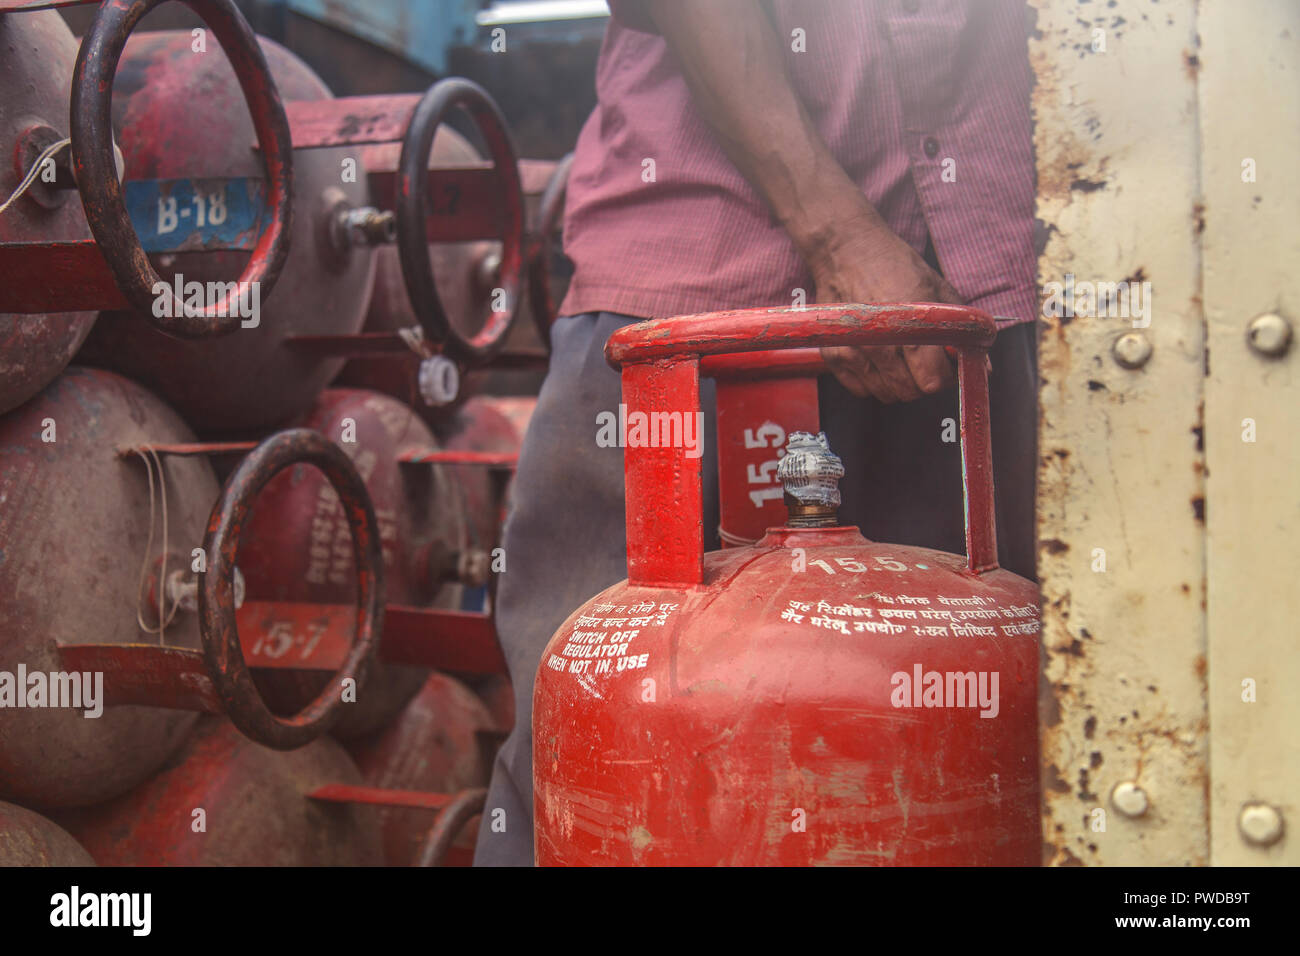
55	273
441	743
464	274
77	519
178	114
812	698
35	75
296	545
28	839
230	802
489	425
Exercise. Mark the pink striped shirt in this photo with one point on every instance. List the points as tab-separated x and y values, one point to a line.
925	103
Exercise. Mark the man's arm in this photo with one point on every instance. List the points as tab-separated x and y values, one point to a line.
733	62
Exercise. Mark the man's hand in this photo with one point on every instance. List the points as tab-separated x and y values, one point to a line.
865	262
741	90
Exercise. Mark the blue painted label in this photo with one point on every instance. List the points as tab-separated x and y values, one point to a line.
184	215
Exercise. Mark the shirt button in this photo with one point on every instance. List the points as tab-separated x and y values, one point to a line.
931	147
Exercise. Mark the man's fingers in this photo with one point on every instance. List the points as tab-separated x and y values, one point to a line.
847	365
853	369
894	372
930	367
850	380
878	387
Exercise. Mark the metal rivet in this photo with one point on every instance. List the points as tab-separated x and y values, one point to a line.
1129	799
1260	824
1269	334
1132	349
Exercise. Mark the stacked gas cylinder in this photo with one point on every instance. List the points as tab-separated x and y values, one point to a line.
249	510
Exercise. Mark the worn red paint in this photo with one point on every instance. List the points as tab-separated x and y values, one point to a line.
754	330
490	459
490	426
762	397
150	675
414	203
463	642
660	361
294	547
350	120
180	116
255	803
63	275
227	664
73	531
749	712
439	745
464	204
45	253
467	201
94	165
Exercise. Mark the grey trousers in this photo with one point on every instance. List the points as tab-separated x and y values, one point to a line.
565	538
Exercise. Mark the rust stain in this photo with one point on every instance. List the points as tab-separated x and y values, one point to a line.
1052	780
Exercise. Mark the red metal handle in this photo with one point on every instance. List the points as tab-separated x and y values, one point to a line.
746	366
660	362
221	646
96	172
413	208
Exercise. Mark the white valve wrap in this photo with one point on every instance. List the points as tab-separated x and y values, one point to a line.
438	380
809	472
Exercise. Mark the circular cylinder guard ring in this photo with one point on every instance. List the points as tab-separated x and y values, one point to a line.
102	194
412	229
221	646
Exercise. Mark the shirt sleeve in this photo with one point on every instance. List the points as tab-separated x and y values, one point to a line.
633	15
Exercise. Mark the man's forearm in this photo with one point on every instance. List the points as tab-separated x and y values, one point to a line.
733	61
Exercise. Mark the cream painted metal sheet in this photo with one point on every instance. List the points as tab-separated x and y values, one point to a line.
1250	137
1121	485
